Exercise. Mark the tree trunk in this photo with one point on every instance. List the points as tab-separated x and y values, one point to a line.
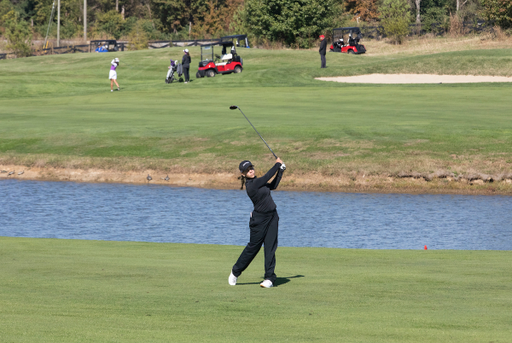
58	23
117	6
150	17
458	5
418	19
149	11
122	11
85	20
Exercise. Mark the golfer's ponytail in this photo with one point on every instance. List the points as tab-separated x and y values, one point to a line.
242	178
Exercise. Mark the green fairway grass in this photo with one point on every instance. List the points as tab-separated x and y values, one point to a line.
91	291
59	111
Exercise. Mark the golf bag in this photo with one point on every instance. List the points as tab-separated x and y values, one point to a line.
175	68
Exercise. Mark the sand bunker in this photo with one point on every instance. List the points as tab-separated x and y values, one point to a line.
415	78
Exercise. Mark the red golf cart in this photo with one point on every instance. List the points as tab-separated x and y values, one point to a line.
346	39
229	62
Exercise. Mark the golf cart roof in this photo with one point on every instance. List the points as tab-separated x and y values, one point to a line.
353	29
229	43
210	46
238	40
233	36
104	41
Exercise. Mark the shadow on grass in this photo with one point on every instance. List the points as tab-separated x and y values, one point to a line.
282	280
279	281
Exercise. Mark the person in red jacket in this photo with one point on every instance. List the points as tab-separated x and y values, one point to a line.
323	50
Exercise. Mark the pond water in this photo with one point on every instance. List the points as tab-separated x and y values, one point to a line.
155	213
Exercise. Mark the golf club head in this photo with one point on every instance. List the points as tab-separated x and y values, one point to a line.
233	107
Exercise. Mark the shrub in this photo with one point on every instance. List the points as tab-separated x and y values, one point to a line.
110	23
435	20
138	37
5	7
395	17
18	34
499	11
296	23
456	27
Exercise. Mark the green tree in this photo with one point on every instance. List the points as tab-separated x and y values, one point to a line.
395	17
435	19
211	25
296	22
174	14
138	37
499	11
18	34
5	7
43	9
438	4
238	23
111	23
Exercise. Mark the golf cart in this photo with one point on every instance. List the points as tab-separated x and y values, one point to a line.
346	39
104	45
228	63
238	40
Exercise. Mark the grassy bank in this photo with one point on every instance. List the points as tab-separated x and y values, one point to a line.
57	111
90	291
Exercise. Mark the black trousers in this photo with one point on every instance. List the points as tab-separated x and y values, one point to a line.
264	229
324	63
185	71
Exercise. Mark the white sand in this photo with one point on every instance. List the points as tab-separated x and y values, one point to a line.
415	78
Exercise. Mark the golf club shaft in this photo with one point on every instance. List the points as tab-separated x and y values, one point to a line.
258	133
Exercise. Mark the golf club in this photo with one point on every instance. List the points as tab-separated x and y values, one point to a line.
233	107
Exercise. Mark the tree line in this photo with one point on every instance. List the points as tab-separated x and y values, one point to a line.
295	23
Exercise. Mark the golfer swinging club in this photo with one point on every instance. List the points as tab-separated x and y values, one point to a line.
113	74
263	222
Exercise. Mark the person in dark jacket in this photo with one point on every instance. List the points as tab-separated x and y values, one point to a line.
263	222
351	40
185	61
322	51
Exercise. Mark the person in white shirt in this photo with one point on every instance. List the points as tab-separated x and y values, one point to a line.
113	74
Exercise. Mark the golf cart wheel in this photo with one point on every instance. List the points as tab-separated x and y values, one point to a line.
198	76
238	69
171	79
210	73
351	51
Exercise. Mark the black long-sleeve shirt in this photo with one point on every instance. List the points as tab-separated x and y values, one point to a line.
258	189
323	47
186	60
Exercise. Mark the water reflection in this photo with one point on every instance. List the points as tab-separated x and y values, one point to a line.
156	213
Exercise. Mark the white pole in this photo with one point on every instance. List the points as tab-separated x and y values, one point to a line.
58	23
85	20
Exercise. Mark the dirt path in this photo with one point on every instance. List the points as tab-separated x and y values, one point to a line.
291	182
415	78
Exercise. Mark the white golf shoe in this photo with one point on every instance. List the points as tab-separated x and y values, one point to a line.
232	279
266	284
